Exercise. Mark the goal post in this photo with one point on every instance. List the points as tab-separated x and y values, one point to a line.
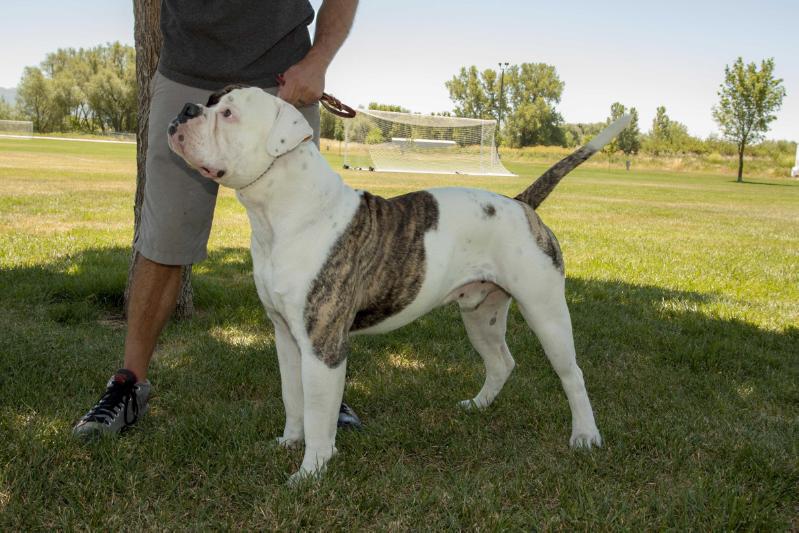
389	141
17	128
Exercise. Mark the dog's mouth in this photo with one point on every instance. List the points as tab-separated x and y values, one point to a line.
177	140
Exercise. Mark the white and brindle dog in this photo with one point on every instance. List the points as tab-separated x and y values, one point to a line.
330	261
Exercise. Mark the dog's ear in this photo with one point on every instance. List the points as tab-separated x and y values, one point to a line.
288	130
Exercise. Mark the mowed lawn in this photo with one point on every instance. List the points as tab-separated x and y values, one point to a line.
684	294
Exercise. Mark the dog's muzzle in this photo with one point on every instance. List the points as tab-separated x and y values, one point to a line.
189	111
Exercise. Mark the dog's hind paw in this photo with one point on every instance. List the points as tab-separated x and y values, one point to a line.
467	405
471	405
585	440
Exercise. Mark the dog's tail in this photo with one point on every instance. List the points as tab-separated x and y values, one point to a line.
540	189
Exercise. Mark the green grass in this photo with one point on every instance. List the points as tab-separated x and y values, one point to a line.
684	293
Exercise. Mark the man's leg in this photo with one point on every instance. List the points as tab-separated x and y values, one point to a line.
176	220
153	295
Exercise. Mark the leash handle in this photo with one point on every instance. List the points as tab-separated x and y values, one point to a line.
330	102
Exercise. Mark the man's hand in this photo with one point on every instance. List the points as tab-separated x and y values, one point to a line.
303	82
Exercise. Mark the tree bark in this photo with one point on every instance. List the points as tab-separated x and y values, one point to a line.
147	34
741	148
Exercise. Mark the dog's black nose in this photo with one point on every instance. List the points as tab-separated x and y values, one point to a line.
189	111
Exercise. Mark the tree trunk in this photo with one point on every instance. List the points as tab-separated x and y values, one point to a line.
147	34
741	162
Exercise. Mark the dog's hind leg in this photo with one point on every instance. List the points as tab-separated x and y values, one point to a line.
485	323
547	315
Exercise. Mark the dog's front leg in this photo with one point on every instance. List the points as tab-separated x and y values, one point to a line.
289	358
322	388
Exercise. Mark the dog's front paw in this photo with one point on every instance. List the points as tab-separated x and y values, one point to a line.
303	477
289	444
586	439
314	463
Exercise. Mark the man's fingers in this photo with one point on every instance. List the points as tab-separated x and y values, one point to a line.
296	95
287	92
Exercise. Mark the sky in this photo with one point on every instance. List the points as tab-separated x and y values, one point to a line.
642	54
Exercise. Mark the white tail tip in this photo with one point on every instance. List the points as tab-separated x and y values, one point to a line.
607	135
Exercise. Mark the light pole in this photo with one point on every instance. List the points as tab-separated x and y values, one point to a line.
502	67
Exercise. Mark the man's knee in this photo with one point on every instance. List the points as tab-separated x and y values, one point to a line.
149	273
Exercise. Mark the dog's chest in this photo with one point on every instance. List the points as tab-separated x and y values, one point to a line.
285	263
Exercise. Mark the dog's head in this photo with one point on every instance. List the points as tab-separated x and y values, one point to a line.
236	135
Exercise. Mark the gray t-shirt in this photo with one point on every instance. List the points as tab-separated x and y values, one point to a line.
212	43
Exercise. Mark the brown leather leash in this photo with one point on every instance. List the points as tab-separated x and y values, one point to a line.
330	102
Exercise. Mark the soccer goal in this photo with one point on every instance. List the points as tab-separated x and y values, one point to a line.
17	128
795	169
387	141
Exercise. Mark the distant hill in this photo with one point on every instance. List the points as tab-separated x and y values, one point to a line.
9	95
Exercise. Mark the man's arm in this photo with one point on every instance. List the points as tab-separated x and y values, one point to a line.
305	81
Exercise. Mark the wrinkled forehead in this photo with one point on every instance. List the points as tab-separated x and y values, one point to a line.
251	99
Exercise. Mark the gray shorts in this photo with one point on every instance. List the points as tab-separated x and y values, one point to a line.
179	203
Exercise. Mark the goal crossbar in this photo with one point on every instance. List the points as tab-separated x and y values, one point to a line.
390	141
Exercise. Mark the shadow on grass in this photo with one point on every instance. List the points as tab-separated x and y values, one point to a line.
750	182
680	395
610	319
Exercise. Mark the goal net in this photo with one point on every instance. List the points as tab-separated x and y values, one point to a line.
388	141
22	128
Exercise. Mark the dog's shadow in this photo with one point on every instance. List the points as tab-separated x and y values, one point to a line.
637	345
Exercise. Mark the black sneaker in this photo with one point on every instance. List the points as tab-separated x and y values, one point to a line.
123	403
347	419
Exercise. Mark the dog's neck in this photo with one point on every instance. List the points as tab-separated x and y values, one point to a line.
298	191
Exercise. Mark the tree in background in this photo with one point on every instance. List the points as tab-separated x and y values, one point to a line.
86	90
531	92
630	137
629	140
388	107
748	99
473	94
112	89
668	136
660	134
35	99
67	71
330	126
7	111
534	89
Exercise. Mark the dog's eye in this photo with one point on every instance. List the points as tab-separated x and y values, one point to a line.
226	113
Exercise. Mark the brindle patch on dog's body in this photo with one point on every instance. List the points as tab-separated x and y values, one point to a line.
544	237
373	271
